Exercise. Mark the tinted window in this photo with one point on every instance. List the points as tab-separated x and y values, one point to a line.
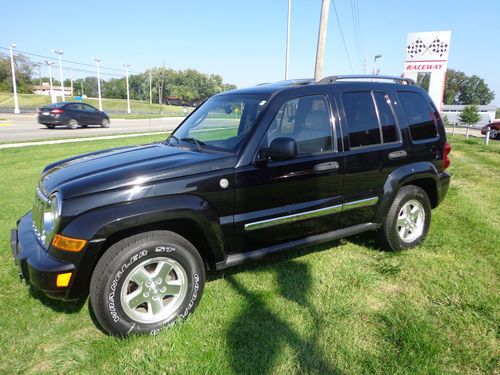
419	114
89	108
361	119
75	106
387	122
305	119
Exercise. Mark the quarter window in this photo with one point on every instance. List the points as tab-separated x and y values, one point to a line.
420	115
387	122
307	121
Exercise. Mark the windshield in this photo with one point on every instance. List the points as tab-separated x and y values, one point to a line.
221	123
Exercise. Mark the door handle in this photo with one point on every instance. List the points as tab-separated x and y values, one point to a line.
326	167
401	154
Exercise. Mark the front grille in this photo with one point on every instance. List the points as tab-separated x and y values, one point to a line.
39	205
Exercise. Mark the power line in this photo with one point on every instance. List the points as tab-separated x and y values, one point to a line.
18	52
342	35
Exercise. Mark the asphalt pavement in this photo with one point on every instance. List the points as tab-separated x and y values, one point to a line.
25	127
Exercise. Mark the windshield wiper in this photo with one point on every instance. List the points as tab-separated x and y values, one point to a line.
194	141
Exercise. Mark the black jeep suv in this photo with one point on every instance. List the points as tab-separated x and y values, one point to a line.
251	172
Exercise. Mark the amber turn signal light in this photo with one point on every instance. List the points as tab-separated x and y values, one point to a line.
68	243
63	279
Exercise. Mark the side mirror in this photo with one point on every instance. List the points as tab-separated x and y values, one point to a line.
281	148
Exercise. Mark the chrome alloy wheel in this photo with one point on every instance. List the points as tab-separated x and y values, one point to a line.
153	290
411	221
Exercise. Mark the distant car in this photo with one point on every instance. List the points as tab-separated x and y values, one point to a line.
71	114
494	130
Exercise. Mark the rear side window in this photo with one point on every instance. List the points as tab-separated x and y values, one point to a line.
369	118
361	119
419	114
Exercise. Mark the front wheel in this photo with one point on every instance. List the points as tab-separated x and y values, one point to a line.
146	282
50	126
105	123
407	222
72	124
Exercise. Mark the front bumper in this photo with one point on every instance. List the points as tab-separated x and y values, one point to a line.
37	266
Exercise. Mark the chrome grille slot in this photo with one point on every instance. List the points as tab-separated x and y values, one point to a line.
39	204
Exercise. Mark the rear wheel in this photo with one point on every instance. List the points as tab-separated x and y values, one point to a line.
146	282
408	219
105	123
72	124
494	134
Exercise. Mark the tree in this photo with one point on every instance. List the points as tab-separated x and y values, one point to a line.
24	71
462	89
470	115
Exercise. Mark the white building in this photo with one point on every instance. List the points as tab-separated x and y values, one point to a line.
44	89
452	112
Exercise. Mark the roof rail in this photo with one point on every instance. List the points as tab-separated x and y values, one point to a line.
333	79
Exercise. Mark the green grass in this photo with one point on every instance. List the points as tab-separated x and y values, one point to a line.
138	107
344	307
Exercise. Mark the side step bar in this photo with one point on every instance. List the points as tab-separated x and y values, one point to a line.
240	258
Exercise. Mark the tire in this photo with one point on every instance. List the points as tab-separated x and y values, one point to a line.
494	134
85	126
407	221
140	267
50	126
105	123
73	124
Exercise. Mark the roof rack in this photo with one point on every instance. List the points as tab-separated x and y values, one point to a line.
333	79
289	82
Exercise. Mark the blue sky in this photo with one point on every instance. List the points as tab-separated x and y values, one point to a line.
244	40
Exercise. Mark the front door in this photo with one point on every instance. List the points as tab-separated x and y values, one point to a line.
281	201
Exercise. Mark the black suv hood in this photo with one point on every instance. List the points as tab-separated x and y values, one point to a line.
121	167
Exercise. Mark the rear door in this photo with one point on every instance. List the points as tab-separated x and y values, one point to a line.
375	148
282	201
75	111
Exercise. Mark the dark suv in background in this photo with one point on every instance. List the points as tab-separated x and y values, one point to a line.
71	114
249	173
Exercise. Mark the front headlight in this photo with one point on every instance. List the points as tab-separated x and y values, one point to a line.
51	216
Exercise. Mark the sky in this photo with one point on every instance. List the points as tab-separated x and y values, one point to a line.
244	40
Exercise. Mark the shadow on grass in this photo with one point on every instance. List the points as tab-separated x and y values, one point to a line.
257	334
66	307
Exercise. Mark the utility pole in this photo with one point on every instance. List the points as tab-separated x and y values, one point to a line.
363	61
287	58
71	76
375	72
320	52
14	86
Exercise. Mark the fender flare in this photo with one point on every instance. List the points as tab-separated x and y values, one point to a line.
100	224
402	176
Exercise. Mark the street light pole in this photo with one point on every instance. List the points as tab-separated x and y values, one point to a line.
287	58
14	86
320	51
97	59
126	66
49	64
150	89
375	62
58	52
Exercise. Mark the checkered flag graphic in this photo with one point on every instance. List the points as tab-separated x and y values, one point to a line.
438	47
415	48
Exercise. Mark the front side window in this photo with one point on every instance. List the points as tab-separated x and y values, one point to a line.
420	115
306	120
221	123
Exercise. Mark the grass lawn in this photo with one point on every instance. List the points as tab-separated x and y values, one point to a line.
138	107
345	307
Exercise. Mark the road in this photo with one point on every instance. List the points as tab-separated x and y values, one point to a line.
24	127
